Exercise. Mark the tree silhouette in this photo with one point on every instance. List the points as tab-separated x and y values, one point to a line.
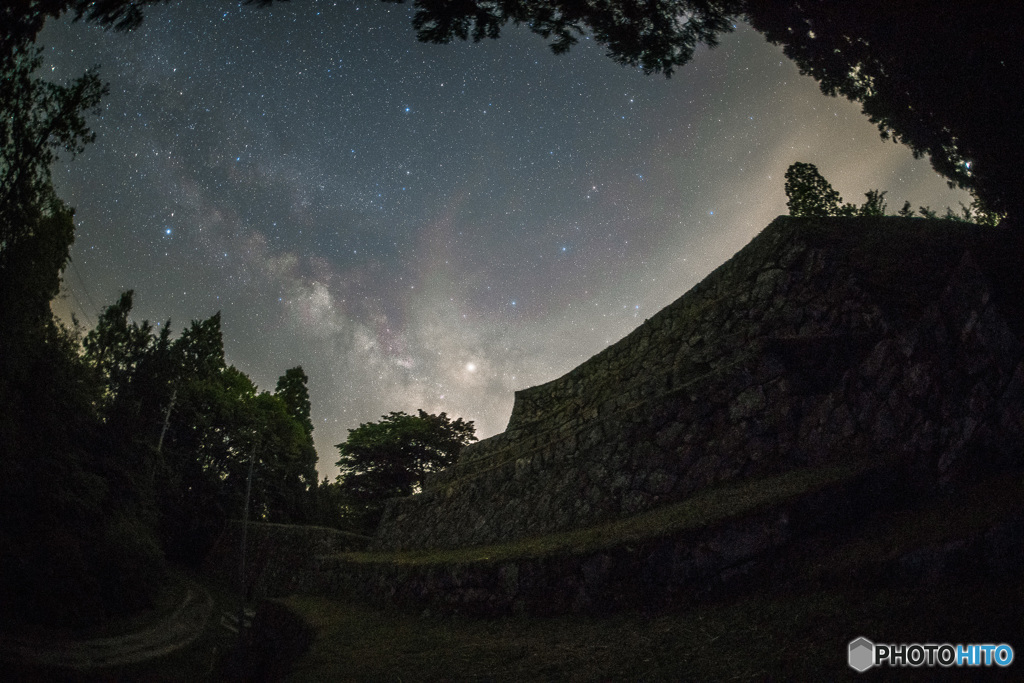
654	35
38	119
942	77
75	519
116	347
875	204
22	20
809	194
291	388
220	420
390	458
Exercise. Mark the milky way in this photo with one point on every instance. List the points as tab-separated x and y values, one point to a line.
424	226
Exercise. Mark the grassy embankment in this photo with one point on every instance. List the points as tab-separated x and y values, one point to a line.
796	626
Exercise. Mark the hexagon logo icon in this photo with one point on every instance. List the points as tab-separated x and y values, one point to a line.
861	654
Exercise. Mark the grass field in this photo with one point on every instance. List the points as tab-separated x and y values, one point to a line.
790	635
794	626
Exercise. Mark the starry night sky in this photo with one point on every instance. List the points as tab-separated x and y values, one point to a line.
424	226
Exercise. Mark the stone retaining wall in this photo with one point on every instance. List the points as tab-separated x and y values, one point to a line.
749	552
793	352
277	555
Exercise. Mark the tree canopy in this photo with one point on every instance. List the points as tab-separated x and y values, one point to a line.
291	388
215	419
939	76
77	537
390	458
808	193
126	446
38	119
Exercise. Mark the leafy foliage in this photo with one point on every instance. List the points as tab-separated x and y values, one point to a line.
38	119
64	497
24	19
215	419
291	388
875	204
941	77
331	507
655	35
116	348
76	537
809	194
91	493
390	458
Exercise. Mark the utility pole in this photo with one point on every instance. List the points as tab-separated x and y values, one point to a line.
167	420
163	431
245	533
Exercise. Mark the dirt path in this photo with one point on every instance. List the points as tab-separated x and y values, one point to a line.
176	631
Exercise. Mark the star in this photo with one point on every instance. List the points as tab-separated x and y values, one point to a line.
383	275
